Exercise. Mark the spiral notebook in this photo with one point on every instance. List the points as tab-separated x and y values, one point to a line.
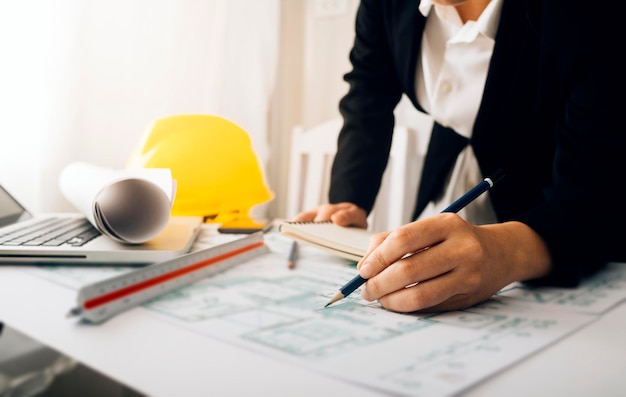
346	242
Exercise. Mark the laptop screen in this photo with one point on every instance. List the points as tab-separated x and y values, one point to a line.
10	210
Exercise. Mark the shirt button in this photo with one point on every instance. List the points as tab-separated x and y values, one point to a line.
445	87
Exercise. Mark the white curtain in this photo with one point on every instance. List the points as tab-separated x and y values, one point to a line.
82	80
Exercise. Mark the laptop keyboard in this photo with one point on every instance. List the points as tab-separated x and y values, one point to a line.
52	232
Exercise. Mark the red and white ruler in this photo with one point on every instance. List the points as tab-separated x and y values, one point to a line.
101	300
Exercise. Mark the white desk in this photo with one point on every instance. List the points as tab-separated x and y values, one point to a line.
162	360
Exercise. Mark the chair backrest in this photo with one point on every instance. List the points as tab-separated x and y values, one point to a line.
312	153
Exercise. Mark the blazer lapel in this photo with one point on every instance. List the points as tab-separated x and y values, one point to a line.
513	56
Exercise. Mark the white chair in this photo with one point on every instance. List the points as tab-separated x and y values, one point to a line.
312	153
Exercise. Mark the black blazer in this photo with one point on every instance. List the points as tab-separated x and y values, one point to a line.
547	117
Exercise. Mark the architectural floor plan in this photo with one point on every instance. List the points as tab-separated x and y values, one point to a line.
279	312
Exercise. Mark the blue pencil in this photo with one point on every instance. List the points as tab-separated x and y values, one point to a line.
456	206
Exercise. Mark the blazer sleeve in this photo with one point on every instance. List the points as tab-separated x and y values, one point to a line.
367	109
581	219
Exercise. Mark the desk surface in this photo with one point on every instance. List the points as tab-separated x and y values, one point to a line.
162	360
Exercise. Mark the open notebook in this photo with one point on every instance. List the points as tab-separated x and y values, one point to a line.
346	242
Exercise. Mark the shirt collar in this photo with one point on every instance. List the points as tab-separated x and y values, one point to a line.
486	24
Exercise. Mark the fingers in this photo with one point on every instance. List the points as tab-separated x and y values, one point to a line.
343	214
406	240
433	263
453	291
307	216
353	216
375	241
446	292
424	265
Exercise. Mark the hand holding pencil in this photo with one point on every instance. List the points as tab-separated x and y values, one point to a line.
430	264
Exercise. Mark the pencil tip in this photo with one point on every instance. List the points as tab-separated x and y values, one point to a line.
334	299
73	312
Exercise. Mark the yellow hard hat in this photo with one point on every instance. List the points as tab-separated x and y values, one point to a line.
212	160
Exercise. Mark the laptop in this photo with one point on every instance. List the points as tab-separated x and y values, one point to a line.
24	239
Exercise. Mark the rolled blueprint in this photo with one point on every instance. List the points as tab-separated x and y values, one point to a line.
130	206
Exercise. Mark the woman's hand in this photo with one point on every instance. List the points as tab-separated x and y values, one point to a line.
342	214
444	263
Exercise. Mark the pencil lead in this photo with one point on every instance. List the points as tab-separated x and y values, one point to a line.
334	299
73	312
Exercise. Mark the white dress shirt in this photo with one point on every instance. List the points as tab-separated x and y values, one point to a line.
450	80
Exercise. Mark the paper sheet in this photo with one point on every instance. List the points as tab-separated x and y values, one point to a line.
266	307
130	206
